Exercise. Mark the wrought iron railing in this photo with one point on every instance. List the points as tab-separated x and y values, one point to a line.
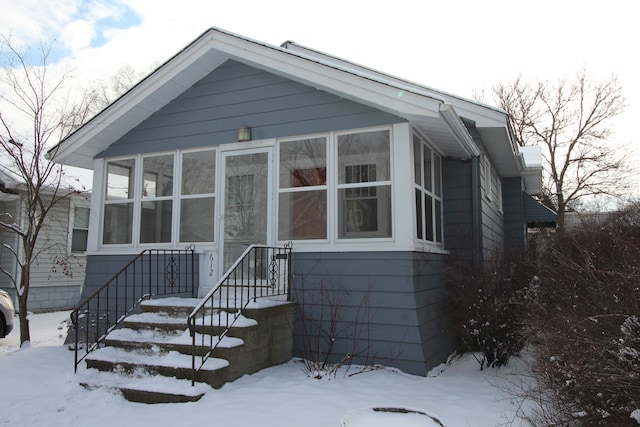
261	271
152	272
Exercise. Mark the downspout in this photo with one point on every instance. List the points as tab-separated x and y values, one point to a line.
475	210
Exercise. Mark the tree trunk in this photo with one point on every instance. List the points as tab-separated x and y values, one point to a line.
22	305
561	216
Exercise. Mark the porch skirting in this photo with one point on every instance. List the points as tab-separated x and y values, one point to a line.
386	308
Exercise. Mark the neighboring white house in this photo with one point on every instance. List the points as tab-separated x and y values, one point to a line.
57	275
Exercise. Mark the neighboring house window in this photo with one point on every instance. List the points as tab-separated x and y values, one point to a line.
157	199
80	230
427	168
302	198
198	196
118	205
364	185
488	179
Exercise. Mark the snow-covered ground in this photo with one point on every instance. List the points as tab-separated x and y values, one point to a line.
38	388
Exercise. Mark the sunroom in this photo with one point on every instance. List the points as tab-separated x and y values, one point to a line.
348	190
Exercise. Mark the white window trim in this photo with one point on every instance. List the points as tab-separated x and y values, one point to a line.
424	243
179	197
335	214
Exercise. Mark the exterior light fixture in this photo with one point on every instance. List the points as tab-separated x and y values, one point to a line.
244	134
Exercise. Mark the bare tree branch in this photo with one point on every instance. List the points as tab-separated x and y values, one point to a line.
570	120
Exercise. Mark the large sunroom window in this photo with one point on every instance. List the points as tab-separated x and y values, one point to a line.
198	196
143	203
427	171
118	205
157	199
364	185
302	203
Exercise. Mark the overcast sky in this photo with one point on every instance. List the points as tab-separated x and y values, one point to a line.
461	46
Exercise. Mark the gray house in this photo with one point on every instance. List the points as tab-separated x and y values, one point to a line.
378	182
57	275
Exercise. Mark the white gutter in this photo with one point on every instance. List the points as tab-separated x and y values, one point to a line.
459	130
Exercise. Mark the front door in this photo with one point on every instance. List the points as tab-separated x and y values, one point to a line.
247	202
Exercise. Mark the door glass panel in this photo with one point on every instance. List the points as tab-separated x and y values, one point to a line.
245	204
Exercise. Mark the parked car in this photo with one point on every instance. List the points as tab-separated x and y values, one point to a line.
7	311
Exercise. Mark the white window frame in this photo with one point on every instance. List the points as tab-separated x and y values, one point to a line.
180	197
73	208
335	214
141	199
288	190
435	194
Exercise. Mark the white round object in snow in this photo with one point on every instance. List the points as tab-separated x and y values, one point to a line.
390	416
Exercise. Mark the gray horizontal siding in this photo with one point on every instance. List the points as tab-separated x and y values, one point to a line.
514	223
389	308
235	95
457	208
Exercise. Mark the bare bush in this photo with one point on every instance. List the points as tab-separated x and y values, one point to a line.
335	329
488	310
584	306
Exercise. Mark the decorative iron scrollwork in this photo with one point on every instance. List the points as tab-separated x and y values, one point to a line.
274	268
172	272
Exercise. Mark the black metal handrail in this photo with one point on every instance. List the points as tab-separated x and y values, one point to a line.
261	271
152	272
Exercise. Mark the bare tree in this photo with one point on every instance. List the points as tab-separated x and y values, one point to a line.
36	95
571	121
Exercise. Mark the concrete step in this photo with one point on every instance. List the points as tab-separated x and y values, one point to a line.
174	340
154	347
157	362
144	388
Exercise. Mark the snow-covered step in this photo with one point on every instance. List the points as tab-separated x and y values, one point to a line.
156	362
180	341
142	387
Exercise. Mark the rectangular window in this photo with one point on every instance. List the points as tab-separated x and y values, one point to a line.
198	194
302	198
364	185
488	180
156	208
118	208
80	230
428	191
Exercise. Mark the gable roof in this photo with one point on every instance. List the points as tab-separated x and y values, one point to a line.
436	114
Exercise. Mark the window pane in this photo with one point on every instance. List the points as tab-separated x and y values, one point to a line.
368	148
199	172
417	170
302	215
158	176
438	221
79	240
303	163
120	179
196	220
419	220
155	222
363	213
117	223
80	230
437	175
428	208
427	168
81	218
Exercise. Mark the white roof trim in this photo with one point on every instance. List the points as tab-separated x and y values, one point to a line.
417	104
